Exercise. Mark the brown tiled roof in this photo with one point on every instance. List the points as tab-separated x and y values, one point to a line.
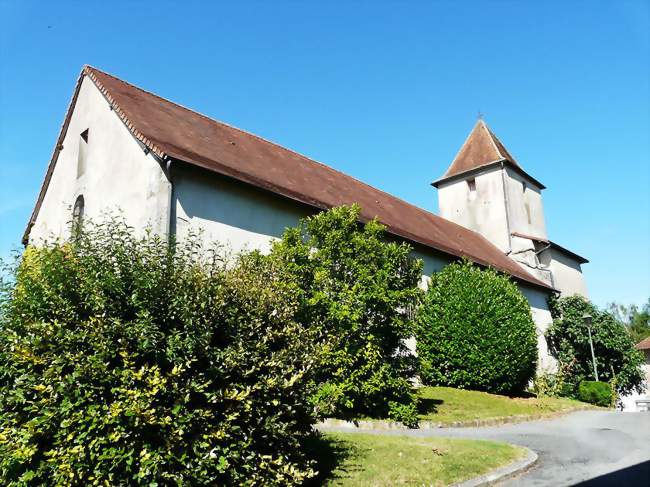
481	149
531	237
643	344
174	132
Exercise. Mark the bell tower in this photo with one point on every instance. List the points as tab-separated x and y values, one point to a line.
486	190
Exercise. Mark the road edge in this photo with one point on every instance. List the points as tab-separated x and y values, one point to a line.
384	425
502	473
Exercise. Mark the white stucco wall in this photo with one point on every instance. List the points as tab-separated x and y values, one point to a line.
245	218
542	318
567	273
432	261
484	211
237	215
524	253
628	403
118	175
522	203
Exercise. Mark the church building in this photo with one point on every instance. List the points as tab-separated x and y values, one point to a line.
173	170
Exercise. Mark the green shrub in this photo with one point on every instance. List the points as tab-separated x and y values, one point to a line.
125	362
568	341
407	414
553	384
356	291
475	331
598	393
547	384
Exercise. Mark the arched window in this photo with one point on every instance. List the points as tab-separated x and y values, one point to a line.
78	212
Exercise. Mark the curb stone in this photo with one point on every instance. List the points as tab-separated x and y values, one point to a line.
502	473
382	425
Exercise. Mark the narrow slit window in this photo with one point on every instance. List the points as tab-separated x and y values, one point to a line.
471	186
82	151
523	186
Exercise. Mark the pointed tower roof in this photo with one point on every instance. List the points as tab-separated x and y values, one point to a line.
481	149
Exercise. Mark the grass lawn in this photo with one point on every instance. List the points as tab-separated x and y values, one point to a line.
447	405
356	459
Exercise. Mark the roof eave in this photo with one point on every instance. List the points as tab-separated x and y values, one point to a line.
553	245
489	165
321	206
523	173
640	346
465	174
58	146
87	70
564	250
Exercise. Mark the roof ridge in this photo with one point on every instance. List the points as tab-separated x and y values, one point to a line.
90	72
491	136
166	100
508	153
329	168
469	135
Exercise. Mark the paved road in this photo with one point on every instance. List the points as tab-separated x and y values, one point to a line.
587	448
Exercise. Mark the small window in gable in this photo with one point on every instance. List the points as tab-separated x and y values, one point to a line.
78	212
523	186
82	150
471	186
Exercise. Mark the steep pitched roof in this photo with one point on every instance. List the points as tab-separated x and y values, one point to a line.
480	150
173	132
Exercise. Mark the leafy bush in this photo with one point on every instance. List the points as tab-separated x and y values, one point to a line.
356	291
568	340
553	384
475	331
125	362
547	384
407	414
593	392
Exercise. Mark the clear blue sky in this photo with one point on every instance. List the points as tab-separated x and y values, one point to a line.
384	91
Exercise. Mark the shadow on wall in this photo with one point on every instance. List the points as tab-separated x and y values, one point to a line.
205	197
638	474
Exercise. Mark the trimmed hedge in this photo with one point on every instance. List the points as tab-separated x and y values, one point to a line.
125	362
475	331
593	392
